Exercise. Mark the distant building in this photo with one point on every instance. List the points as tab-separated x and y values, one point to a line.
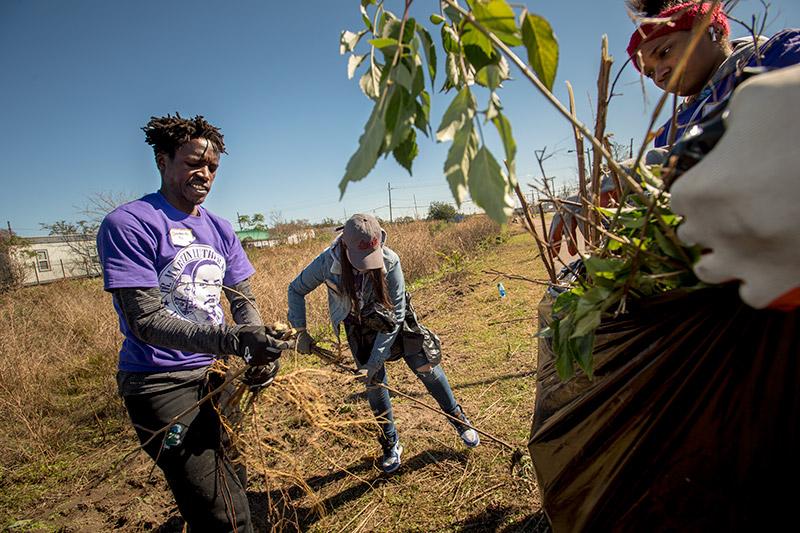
255	238
252	238
300	236
55	257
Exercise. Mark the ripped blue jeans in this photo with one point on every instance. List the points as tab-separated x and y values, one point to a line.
435	381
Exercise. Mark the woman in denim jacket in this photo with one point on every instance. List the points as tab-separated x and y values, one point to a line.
363	275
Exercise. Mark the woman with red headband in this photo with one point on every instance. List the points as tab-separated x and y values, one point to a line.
707	82
740	201
657	47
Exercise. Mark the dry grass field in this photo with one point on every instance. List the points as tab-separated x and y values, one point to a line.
310	442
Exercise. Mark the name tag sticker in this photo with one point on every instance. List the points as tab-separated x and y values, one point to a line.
181	237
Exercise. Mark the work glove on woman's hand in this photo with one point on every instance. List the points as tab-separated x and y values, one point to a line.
304	342
257	347
742	200
368	374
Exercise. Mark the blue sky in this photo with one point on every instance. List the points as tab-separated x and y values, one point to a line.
81	78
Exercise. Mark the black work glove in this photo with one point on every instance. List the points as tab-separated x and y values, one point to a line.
260	377
304	342
257	347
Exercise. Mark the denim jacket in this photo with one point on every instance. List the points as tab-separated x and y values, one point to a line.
327	269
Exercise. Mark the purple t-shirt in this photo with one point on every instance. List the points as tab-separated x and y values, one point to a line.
149	243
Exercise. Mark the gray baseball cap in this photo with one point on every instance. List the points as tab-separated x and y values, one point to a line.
364	238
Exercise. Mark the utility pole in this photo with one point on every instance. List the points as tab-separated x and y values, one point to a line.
389	188
239	220
8	222
416	213
631	152
552	184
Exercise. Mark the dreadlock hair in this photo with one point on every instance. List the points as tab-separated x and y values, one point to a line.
651	8
375	275
167	134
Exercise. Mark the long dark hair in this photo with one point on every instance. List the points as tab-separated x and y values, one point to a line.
379	287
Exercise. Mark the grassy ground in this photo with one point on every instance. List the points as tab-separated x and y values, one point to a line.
310	443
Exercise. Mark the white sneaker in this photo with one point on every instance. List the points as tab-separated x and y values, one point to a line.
468	435
391	458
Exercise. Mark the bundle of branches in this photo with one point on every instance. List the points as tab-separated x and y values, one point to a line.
277	430
641	257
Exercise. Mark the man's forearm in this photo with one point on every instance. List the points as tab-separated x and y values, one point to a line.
150	321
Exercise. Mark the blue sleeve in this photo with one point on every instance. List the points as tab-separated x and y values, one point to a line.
127	252
309	279
782	50
397	293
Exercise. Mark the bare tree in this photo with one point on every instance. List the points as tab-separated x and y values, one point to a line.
80	236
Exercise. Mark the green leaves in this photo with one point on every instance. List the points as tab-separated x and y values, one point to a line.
430	51
542	46
504	130
370	82
348	41
459	157
353	63
461	109
478	49
397	85
574	322
406	151
400	116
644	262
498	17
457	126
383	42
402	54
493	74
470	167
367	153
488	186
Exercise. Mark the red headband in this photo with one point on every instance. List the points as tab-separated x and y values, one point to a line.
687	15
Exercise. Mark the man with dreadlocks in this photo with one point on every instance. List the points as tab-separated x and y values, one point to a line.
165	261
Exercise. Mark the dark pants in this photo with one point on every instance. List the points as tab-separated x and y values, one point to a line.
208	488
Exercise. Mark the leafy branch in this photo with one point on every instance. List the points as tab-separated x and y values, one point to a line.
633	250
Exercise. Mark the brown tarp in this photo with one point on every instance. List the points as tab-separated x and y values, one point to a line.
692	421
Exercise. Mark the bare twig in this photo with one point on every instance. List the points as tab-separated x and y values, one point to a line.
517	277
512	321
391	389
539	244
579	153
599	132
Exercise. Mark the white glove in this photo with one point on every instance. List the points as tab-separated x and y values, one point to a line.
742	200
